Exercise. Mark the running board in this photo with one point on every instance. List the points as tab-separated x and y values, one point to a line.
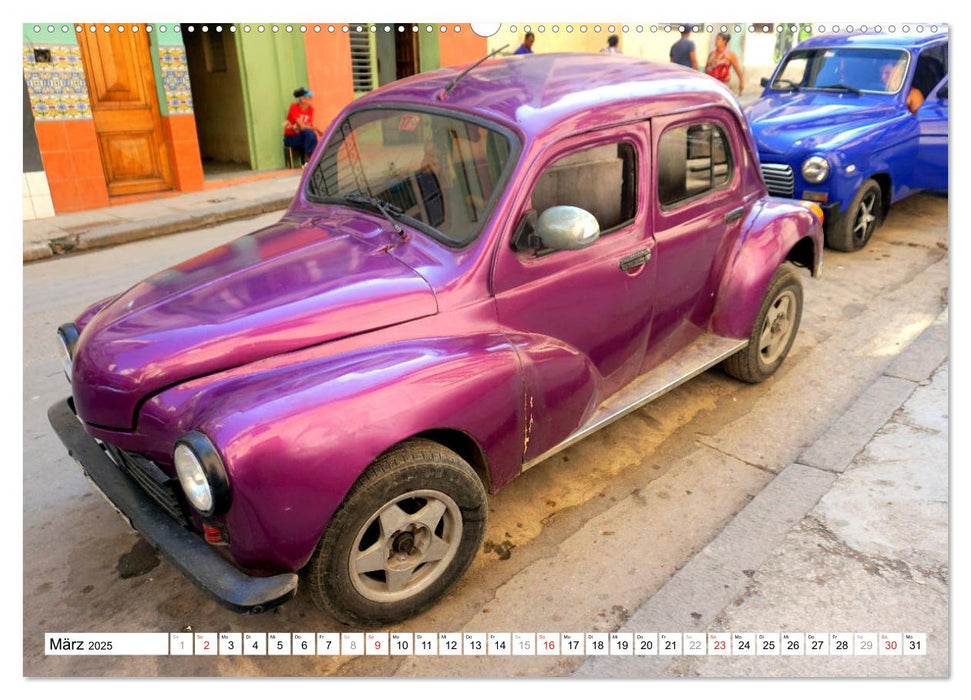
701	354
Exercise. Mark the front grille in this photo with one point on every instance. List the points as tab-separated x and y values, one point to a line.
164	490
778	179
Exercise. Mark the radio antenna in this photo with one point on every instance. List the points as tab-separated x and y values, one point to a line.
444	93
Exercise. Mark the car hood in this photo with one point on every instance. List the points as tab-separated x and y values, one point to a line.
289	286
788	123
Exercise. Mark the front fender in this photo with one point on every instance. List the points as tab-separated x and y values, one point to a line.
295	439
775	230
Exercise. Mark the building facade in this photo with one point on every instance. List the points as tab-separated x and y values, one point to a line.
118	113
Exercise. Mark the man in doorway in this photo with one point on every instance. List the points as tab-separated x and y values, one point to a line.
527	45
299	131
683	50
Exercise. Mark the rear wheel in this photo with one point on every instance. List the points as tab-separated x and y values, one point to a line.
407	531
774	330
854	230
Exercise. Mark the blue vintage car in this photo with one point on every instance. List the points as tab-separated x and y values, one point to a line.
855	122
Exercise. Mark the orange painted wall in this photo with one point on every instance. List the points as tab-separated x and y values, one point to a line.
183	147
465	46
69	150
329	74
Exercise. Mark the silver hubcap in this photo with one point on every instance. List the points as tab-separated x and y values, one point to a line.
865	218
405	546
777	327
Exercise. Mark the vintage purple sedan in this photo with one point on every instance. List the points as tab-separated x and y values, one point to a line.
479	269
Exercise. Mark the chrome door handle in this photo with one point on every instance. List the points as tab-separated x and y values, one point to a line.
629	262
734	215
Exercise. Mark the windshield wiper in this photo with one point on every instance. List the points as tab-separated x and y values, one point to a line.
387	209
841	87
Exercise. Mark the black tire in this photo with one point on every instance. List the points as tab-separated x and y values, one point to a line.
417	466
754	364
856	226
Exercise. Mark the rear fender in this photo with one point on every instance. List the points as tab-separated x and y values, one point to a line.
773	234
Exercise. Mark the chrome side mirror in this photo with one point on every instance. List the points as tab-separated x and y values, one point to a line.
567	228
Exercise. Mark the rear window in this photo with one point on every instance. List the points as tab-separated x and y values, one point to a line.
692	159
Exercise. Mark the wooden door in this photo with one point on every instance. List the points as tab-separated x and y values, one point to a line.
405	54
121	86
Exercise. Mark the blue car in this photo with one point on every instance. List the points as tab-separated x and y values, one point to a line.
855	123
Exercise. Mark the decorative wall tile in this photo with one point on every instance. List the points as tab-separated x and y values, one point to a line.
175	79
57	89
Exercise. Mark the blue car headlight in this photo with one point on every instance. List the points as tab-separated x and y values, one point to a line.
815	169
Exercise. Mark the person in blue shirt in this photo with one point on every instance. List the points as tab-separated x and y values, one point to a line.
527	45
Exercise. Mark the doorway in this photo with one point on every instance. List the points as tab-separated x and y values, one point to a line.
397	53
217	101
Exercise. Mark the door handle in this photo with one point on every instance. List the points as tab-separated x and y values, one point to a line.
629	262
734	215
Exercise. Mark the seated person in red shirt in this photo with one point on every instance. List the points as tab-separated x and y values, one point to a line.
299	130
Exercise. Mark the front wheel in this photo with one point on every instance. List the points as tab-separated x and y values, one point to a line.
405	533
854	229
774	330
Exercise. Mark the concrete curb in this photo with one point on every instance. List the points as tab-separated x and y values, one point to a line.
712	579
128	231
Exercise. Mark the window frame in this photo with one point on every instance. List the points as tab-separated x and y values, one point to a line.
732	163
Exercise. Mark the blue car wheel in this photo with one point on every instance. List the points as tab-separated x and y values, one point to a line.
861	218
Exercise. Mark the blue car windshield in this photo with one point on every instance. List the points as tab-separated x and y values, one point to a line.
879	71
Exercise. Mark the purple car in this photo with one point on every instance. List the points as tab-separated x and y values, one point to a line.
479	269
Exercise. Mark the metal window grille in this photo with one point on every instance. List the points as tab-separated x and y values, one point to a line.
361	59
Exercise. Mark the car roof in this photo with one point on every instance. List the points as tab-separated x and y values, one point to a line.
873	41
574	90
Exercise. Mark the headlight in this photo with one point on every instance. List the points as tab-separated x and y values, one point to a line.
815	169
202	474
67	338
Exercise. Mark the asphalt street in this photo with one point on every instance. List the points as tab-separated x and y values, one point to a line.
578	543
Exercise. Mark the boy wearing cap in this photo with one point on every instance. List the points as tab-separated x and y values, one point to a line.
299	130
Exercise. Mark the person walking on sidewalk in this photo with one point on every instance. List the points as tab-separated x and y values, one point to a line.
683	50
299	131
722	60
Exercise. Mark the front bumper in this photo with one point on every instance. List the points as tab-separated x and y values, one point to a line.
186	550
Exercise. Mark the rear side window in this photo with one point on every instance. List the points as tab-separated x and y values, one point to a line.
692	159
601	179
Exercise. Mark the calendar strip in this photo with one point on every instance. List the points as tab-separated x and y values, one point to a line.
510	644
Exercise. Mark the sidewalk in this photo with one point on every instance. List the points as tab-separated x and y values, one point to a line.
95	228
852	537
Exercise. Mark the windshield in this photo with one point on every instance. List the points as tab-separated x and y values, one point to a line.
863	70
439	171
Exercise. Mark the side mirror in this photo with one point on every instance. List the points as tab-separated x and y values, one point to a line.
764	82
567	228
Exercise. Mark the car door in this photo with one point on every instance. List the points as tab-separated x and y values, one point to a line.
931	170
699	206
580	317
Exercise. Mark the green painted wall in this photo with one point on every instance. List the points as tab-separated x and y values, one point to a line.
44	38
271	67
429	57
153	42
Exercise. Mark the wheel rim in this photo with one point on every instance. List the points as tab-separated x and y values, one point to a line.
405	546
866	218
777	327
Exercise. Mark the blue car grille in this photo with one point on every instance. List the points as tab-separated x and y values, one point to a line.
779	179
